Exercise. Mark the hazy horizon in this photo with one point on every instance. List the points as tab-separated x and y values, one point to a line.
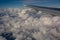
21	3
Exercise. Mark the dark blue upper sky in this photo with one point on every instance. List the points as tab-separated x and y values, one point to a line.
20	3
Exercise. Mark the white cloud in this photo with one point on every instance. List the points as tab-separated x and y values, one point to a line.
24	21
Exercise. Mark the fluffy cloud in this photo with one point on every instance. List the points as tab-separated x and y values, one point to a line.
28	22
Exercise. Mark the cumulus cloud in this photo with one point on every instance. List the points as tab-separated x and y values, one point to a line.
29	24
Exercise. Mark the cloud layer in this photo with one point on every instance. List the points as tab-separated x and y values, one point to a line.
28	24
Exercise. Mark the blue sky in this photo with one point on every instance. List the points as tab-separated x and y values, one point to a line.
20	3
